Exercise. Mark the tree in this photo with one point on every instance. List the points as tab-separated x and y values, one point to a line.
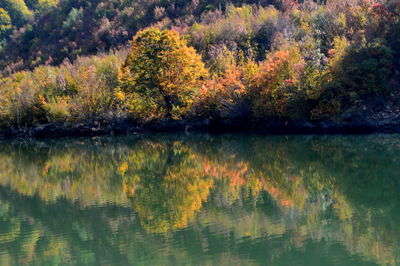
5	23
277	88
161	75
19	12
40	4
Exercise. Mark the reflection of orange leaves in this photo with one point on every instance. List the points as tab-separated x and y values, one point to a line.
206	166
272	191
129	190
279	196
286	202
237	177
235	174
123	168
237	180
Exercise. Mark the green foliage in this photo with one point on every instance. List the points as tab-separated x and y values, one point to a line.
73	18
5	26
41	5
161	75
19	12
5	22
355	73
365	70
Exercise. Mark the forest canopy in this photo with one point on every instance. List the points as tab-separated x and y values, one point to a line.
251	60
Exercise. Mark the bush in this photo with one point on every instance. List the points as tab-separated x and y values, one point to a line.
81	91
227	96
276	82
245	31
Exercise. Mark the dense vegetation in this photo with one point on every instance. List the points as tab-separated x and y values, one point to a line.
256	60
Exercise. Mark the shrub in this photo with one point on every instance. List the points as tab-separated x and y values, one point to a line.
355	74
276	83
81	91
245	31
287	86
227	96
364	70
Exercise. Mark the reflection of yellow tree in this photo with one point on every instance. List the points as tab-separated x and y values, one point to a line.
71	173
184	198
168	187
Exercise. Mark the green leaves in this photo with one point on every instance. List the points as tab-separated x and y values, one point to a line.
19	12
5	22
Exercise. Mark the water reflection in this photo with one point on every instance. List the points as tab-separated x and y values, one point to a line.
201	199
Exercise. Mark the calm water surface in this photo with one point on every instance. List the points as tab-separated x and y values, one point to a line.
198	199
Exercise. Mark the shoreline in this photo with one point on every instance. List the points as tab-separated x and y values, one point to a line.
126	128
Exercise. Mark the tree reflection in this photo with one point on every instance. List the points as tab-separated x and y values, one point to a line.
166	188
61	199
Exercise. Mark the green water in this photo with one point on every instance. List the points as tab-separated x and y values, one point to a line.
198	199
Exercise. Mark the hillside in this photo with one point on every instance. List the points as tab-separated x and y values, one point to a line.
323	64
35	32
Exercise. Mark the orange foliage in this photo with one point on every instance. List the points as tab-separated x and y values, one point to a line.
275	82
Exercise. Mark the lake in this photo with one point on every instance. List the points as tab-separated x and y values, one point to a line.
201	199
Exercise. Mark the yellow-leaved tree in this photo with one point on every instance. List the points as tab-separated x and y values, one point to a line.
161	75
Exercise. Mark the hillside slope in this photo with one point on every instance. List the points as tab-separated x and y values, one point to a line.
300	65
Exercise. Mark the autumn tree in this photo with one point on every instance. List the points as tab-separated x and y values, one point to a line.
161	75
277	83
